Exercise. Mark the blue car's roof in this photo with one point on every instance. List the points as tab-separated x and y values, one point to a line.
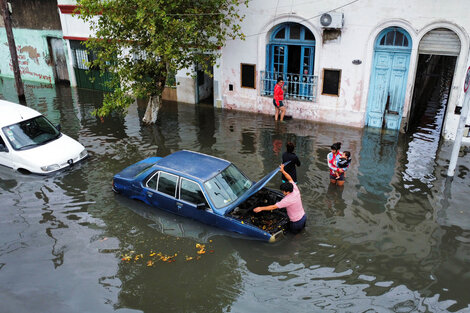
197	165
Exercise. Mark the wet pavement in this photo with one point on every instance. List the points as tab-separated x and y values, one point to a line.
396	238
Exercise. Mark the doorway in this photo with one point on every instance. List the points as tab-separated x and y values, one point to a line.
388	79
290	54
89	78
204	85
438	51
58	60
431	92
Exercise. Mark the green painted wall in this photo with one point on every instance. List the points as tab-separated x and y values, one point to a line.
33	54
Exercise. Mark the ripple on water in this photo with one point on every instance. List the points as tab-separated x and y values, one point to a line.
394	238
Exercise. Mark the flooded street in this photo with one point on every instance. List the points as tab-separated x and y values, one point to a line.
396	238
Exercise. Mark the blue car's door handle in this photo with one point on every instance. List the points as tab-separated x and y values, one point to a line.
179	205
149	194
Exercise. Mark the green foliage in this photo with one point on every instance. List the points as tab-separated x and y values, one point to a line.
117	101
142	41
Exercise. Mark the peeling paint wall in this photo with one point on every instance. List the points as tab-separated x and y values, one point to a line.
33	21
33	54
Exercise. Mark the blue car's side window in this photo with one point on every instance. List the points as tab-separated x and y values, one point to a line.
152	182
167	183
191	192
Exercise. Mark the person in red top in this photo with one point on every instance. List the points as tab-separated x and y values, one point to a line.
278	97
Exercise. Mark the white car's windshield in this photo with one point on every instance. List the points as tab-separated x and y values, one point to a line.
30	133
227	186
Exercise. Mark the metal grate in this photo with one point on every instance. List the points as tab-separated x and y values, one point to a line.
81	59
299	87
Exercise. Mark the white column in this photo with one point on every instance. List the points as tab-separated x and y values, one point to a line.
218	79
458	136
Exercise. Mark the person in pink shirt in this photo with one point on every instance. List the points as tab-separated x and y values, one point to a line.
291	201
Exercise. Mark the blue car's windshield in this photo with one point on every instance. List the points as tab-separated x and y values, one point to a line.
30	133
227	186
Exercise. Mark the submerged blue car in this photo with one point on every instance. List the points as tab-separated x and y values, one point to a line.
205	188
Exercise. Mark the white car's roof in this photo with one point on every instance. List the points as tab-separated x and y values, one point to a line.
12	113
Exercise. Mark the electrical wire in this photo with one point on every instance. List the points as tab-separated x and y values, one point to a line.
306	19
275	12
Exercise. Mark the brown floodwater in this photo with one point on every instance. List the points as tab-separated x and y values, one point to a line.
395	238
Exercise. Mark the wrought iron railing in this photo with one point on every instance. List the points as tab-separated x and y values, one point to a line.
297	86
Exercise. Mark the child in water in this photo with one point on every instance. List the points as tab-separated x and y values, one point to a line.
343	163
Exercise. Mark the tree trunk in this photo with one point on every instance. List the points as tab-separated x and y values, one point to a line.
151	113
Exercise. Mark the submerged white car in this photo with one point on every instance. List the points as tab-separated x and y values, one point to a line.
29	143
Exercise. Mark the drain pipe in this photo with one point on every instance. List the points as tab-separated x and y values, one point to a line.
460	128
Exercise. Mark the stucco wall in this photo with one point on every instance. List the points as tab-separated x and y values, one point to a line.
33	54
72	26
186	86
363	21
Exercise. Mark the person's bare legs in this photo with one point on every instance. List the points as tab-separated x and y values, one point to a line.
276	114
340	182
283	111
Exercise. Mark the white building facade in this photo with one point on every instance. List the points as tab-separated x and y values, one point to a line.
360	68
363	63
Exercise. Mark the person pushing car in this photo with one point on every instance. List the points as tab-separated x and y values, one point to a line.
291	201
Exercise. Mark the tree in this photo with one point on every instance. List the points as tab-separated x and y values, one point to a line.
142	42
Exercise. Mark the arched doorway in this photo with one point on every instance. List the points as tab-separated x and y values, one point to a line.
290	55
438	51
388	78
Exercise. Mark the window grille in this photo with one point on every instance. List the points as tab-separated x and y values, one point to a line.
297	86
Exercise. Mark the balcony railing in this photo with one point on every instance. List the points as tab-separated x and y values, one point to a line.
297	86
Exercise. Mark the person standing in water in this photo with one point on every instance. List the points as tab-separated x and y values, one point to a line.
343	164
332	159
290	168
291	201
278	98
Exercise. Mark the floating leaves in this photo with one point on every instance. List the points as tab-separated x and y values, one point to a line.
154	257
202	248
167	258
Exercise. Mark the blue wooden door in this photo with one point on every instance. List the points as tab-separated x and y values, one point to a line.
388	79
378	90
396	90
279	60
387	89
307	54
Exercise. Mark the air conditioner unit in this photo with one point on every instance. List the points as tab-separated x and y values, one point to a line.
332	20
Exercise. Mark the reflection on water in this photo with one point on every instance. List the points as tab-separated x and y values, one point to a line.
423	144
377	169
395	238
